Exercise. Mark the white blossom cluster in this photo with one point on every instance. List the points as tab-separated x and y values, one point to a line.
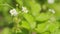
24	9
51	1
13	12
52	10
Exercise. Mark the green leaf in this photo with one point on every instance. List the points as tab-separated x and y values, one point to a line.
35	8
53	26
43	17
30	20
46	33
29	17
25	24
56	32
42	27
6	31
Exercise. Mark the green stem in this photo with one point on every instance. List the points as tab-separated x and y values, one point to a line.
30	32
6	5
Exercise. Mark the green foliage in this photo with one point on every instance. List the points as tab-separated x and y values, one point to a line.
29	17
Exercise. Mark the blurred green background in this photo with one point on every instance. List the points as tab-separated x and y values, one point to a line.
29	16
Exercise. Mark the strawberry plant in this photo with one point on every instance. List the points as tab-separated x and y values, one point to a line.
29	16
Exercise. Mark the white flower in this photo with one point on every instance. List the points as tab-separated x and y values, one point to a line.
52	10
24	9
13	12
50	1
